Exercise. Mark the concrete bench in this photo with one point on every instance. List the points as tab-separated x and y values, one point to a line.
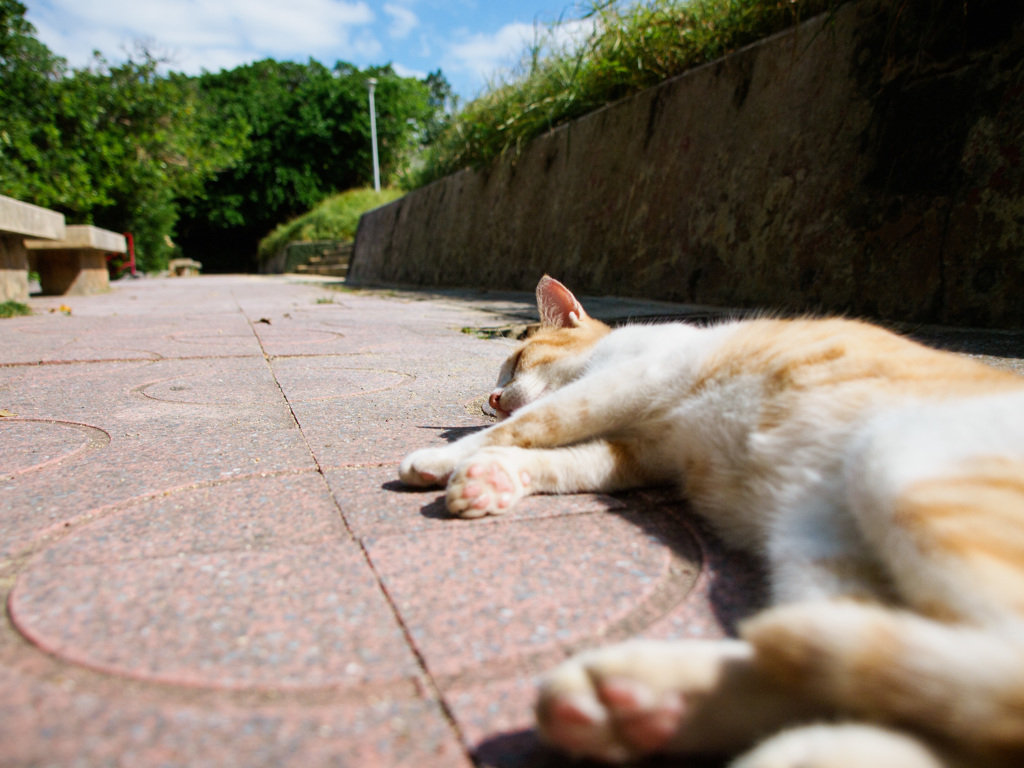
19	220
183	267
77	264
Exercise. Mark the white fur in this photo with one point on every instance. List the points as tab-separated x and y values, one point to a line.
815	495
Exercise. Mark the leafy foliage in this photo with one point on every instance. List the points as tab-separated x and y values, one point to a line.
335	218
14	309
214	162
111	146
310	138
621	48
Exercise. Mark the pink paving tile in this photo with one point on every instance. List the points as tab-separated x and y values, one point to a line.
503	599
23	341
44	725
250	513
308	616
152	444
33	444
116	337
317	379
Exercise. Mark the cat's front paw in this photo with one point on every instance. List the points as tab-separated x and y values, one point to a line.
488	483
427	467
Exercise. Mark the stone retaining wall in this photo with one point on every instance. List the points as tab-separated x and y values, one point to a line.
797	174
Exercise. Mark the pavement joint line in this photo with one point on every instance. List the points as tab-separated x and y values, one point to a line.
436	692
421	662
104	361
432	684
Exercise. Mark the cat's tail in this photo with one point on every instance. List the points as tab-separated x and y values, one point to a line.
894	667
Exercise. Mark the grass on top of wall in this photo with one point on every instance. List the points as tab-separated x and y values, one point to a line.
614	49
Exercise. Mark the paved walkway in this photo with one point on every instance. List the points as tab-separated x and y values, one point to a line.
207	560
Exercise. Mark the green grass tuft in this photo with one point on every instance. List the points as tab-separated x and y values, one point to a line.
14	309
621	48
336	218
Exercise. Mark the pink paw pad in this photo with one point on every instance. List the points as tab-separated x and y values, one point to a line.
645	721
489	488
567	712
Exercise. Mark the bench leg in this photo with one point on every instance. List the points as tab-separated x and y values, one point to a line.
72	272
13	268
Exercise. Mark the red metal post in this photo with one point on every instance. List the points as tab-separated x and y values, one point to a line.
131	252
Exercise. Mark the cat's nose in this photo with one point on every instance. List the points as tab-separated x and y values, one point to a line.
495	400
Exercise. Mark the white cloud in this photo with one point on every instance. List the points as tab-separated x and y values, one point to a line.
405	21
208	34
484	54
403	71
490	55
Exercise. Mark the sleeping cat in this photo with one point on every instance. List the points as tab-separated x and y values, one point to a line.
882	481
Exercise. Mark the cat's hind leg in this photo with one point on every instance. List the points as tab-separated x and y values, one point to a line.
491	480
870	662
937	493
642	697
851	745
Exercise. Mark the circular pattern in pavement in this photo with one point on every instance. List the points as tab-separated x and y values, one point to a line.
27	444
303	382
299	380
206	337
215	587
239	387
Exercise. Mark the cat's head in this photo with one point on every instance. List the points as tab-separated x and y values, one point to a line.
553	356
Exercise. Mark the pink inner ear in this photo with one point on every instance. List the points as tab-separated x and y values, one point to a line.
556	303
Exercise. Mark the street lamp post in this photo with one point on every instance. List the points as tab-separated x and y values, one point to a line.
372	83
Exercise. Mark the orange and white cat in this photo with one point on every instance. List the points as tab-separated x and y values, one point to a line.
882	481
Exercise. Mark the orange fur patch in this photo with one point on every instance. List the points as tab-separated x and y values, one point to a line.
807	354
974	517
853	363
547	345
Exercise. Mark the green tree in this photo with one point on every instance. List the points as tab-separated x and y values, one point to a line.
35	164
310	138
147	144
113	146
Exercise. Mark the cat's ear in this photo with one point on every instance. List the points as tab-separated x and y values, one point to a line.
557	306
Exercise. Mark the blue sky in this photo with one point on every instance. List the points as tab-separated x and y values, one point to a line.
468	39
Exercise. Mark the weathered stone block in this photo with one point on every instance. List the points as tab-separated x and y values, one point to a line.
77	264
13	268
18	220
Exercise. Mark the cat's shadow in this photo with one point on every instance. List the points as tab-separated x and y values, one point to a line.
523	749
435	510
451	434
